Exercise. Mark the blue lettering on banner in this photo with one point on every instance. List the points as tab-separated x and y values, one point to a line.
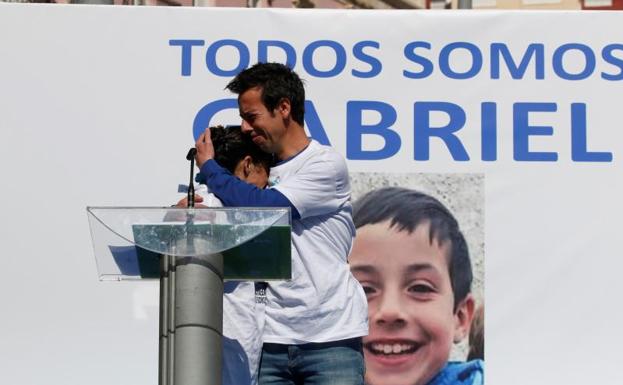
579	153
262	51
488	121
416	52
423	131
559	69
375	64
206	113
444	60
313	124
528	63
243	57
518	71
427	65
522	130
187	46
355	129
340	58
609	58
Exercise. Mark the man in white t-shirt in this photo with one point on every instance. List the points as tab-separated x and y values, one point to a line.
314	323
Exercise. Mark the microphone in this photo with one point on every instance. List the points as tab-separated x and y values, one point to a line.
191	154
190	197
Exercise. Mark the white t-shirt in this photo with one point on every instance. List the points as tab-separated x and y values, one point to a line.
243	322
323	302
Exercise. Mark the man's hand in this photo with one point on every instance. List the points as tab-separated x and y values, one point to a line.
183	203
205	148
177	215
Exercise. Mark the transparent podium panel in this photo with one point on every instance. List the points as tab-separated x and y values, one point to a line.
129	241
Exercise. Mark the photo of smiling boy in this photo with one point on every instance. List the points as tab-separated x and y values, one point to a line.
413	263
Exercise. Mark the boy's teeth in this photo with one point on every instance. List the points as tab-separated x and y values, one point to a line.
391	348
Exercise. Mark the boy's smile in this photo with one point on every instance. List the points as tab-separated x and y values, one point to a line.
396	354
410	303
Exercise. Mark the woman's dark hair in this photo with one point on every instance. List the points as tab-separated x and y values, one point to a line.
405	210
231	146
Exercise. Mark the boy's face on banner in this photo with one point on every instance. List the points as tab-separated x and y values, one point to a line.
410	304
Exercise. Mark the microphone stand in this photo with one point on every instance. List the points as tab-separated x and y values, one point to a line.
168	293
191	187
190	197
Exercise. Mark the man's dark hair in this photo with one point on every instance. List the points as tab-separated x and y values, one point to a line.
277	82
406	209
231	146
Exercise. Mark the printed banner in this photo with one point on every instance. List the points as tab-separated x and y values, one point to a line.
509	120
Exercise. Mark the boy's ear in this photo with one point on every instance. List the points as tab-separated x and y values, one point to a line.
463	318
247	162
243	168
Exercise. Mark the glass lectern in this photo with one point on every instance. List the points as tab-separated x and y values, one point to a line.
191	251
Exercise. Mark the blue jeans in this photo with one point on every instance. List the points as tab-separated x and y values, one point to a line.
327	363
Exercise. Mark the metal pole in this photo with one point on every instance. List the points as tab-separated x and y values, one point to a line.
171	323
163	346
198	320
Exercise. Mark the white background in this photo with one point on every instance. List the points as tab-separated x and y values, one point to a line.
93	111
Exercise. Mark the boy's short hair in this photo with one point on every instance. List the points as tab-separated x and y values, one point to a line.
477	336
231	146
406	209
277	82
